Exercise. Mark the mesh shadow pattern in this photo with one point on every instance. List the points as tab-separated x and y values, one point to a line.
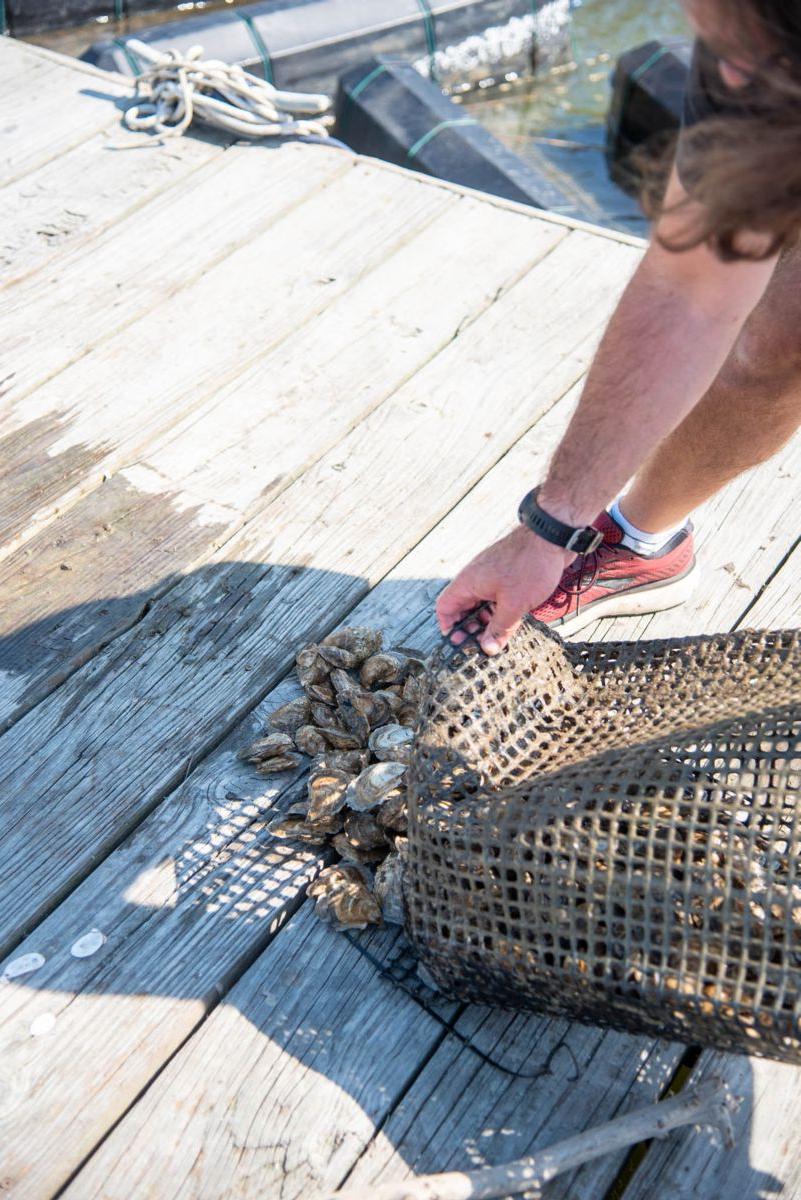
610	832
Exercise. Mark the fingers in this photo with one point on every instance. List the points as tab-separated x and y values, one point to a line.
504	621
452	604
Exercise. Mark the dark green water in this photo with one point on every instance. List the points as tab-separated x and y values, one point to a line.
568	103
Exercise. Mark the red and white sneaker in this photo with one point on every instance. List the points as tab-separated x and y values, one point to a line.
615	581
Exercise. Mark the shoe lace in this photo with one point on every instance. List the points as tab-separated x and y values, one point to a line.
582	578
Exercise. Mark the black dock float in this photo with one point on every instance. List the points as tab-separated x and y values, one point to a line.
387	110
645	110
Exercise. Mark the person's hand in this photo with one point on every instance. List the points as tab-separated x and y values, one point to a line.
513	576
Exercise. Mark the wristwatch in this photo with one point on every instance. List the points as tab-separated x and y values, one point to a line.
583	540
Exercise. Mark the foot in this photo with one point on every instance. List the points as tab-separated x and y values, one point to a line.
615	581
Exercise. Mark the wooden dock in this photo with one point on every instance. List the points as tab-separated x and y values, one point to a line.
249	394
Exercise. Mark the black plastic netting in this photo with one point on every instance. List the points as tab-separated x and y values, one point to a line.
610	832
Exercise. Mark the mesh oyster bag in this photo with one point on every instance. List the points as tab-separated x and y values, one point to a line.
609	832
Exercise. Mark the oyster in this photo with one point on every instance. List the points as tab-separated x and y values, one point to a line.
363	831
346	849
292	715
408	714
271	746
374	707
388	667
413	690
370	787
392	743
349	647
354	721
326	791
341	739
309	667
309	740
322	692
280	762
351	761
388	888
344	685
343	898
393	813
393	700
293	825
324	716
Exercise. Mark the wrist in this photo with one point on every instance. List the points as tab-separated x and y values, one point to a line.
577	539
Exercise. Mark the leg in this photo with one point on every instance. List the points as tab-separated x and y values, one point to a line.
751	410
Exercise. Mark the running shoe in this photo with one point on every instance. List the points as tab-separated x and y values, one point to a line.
615	581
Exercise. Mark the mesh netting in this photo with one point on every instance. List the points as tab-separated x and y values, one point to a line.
610	832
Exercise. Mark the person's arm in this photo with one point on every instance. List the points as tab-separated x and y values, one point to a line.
669	336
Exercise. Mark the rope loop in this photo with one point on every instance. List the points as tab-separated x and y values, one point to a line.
178	87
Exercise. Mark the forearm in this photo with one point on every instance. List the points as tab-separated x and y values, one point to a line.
662	350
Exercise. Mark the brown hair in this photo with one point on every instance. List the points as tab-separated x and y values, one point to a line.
746	169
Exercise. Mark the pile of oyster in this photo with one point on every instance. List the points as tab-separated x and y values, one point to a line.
355	721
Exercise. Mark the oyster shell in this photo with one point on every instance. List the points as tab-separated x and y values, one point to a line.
309	667
309	740
326	791
393	813
343	899
293	825
351	761
341	739
321	692
349	647
370	787
292	715
271	746
363	831
280	762
392	743
324	716
354	721
388	889
393	700
344	684
373	706
413	690
349	852
388	667
408	714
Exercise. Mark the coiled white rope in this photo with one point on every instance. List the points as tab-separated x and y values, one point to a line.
180	87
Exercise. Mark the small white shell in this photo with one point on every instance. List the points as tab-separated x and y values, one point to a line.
42	1024
88	945
24	965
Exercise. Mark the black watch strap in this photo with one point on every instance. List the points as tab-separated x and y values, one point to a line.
582	540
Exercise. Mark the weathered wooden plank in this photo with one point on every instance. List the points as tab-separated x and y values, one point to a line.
91	293
778	605
76	197
87	577
317	1048
63	109
111	403
766	1159
198	660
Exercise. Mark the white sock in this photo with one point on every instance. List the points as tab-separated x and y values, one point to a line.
639	540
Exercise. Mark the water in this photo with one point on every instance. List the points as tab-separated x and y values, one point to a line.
567	103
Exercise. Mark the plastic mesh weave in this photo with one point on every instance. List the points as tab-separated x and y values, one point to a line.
610	832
